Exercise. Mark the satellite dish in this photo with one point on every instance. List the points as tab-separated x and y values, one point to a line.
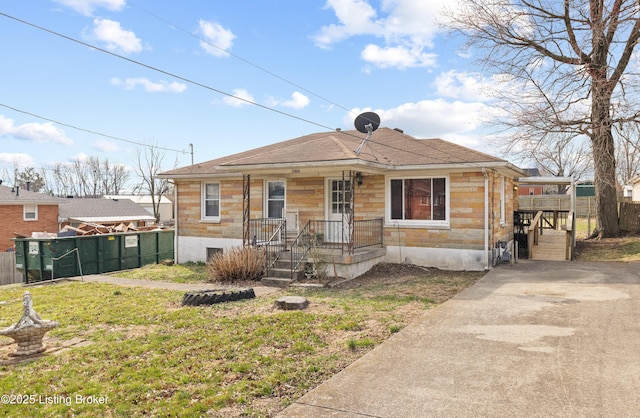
367	122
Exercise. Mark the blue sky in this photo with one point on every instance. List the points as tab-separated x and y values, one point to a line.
316	63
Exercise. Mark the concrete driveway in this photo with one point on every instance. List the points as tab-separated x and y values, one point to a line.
537	339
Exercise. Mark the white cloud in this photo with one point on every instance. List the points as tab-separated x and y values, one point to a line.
218	39
460	85
432	118
406	28
242	94
114	37
298	101
33	132
399	57
81	157
21	160
106	146
149	86
86	7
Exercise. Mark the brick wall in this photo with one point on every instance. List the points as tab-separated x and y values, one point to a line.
13	222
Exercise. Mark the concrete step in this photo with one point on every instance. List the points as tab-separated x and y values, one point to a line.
275	281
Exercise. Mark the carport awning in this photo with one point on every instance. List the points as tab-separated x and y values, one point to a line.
545	180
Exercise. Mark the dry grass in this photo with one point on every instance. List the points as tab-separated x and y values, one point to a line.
625	248
149	356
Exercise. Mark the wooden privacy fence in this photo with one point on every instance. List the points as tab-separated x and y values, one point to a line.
629	217
8	272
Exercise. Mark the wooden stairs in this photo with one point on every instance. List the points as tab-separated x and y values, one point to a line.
551	247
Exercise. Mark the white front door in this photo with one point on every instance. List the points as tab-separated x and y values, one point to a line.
338	209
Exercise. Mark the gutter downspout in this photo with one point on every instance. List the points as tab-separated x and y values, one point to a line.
485	257
175	224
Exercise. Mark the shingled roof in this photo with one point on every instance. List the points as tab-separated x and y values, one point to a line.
98	210
21	196
386	149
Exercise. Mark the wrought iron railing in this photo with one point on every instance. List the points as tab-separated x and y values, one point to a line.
335	235
270	235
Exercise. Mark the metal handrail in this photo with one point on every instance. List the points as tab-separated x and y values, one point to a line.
299	249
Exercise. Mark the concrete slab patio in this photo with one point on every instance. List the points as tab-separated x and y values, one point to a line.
537	339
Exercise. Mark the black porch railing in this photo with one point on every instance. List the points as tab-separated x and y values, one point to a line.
335	235
270	235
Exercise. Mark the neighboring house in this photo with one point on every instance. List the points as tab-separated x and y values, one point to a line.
634	186
165	207
531	189
431	202
24	212
79	210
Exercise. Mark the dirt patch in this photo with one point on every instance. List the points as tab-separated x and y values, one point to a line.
408	280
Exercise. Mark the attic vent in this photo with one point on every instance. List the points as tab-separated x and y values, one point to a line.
399	130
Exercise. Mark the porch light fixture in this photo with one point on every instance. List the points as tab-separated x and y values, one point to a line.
358	178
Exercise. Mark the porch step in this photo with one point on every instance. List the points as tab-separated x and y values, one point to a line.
275	281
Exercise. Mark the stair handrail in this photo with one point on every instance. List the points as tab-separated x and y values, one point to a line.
534	233
299	242
271	255
570	234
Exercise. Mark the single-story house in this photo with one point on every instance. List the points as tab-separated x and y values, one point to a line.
424	201
24	212
108	212
165	207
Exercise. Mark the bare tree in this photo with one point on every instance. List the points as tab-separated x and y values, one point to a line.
565	70
89	177
149	166
627	152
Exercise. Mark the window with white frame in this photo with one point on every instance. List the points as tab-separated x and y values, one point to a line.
502	200
275	198
211	201
30	212
419	200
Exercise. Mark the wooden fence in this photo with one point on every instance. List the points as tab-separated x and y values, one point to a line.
8	272
585	205
629	217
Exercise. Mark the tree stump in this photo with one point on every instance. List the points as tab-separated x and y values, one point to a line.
291	303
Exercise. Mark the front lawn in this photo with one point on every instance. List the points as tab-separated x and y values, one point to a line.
139	352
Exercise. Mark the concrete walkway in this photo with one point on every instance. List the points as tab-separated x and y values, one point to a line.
538	339
154	284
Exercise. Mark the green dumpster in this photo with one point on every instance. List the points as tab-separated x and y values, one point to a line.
41	259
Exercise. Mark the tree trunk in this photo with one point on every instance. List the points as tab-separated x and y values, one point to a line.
604	164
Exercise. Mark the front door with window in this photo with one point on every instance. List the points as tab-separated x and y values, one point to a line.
338	210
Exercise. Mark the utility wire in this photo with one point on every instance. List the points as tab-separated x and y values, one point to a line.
186	80
238	57
90	131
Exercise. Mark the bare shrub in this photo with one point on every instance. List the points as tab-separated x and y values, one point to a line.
236	264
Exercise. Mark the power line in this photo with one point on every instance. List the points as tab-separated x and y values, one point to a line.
238	57
92	132
198	84
186	80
